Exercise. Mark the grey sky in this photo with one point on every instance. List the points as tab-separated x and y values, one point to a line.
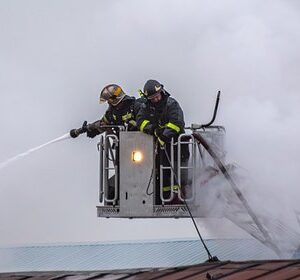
55	56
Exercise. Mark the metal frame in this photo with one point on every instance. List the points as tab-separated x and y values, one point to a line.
198	158
108	150
158	211
107	147
161	173
181	167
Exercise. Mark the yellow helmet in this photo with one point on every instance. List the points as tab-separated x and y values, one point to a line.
113	94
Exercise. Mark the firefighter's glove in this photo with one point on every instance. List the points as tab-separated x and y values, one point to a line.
91	130
92	133
132	125
76	132
158	132
149	129
84	127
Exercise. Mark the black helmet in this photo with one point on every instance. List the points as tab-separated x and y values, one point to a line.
152	88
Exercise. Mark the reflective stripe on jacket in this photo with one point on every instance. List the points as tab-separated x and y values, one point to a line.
167	115
124	114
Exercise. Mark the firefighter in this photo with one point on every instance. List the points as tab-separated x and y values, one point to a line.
162	117
122	110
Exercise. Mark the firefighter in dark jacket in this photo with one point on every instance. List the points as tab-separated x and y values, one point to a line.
162	116
122	110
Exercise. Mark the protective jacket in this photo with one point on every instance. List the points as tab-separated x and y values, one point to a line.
123	114
163	119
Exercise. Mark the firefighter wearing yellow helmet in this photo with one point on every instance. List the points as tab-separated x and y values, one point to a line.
121	110
113	94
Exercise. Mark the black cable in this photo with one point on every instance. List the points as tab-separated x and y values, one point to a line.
150	179
151	176
210	257
110	159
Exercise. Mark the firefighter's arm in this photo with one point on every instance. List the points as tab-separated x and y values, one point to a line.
143	121
175	124
91	129
95	128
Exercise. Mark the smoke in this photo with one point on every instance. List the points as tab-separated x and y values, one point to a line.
269	151
57	55
249	210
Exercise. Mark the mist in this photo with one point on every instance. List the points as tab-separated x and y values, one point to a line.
56	56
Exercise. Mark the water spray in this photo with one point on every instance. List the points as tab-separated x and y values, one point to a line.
73	133
17	157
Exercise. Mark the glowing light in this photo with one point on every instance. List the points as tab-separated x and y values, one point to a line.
137	156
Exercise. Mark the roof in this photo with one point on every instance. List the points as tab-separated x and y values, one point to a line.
127	255
279	269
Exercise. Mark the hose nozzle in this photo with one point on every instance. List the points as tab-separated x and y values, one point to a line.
74	133
77	131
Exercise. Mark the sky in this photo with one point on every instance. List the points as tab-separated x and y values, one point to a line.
57	55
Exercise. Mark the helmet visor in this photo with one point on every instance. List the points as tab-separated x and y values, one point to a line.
102	100
153	96
115	100
112	94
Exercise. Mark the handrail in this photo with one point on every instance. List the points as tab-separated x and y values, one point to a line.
162	170
215	111
180	167
200	126
106	168
100	149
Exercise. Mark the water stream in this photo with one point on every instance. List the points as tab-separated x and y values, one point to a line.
19	156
